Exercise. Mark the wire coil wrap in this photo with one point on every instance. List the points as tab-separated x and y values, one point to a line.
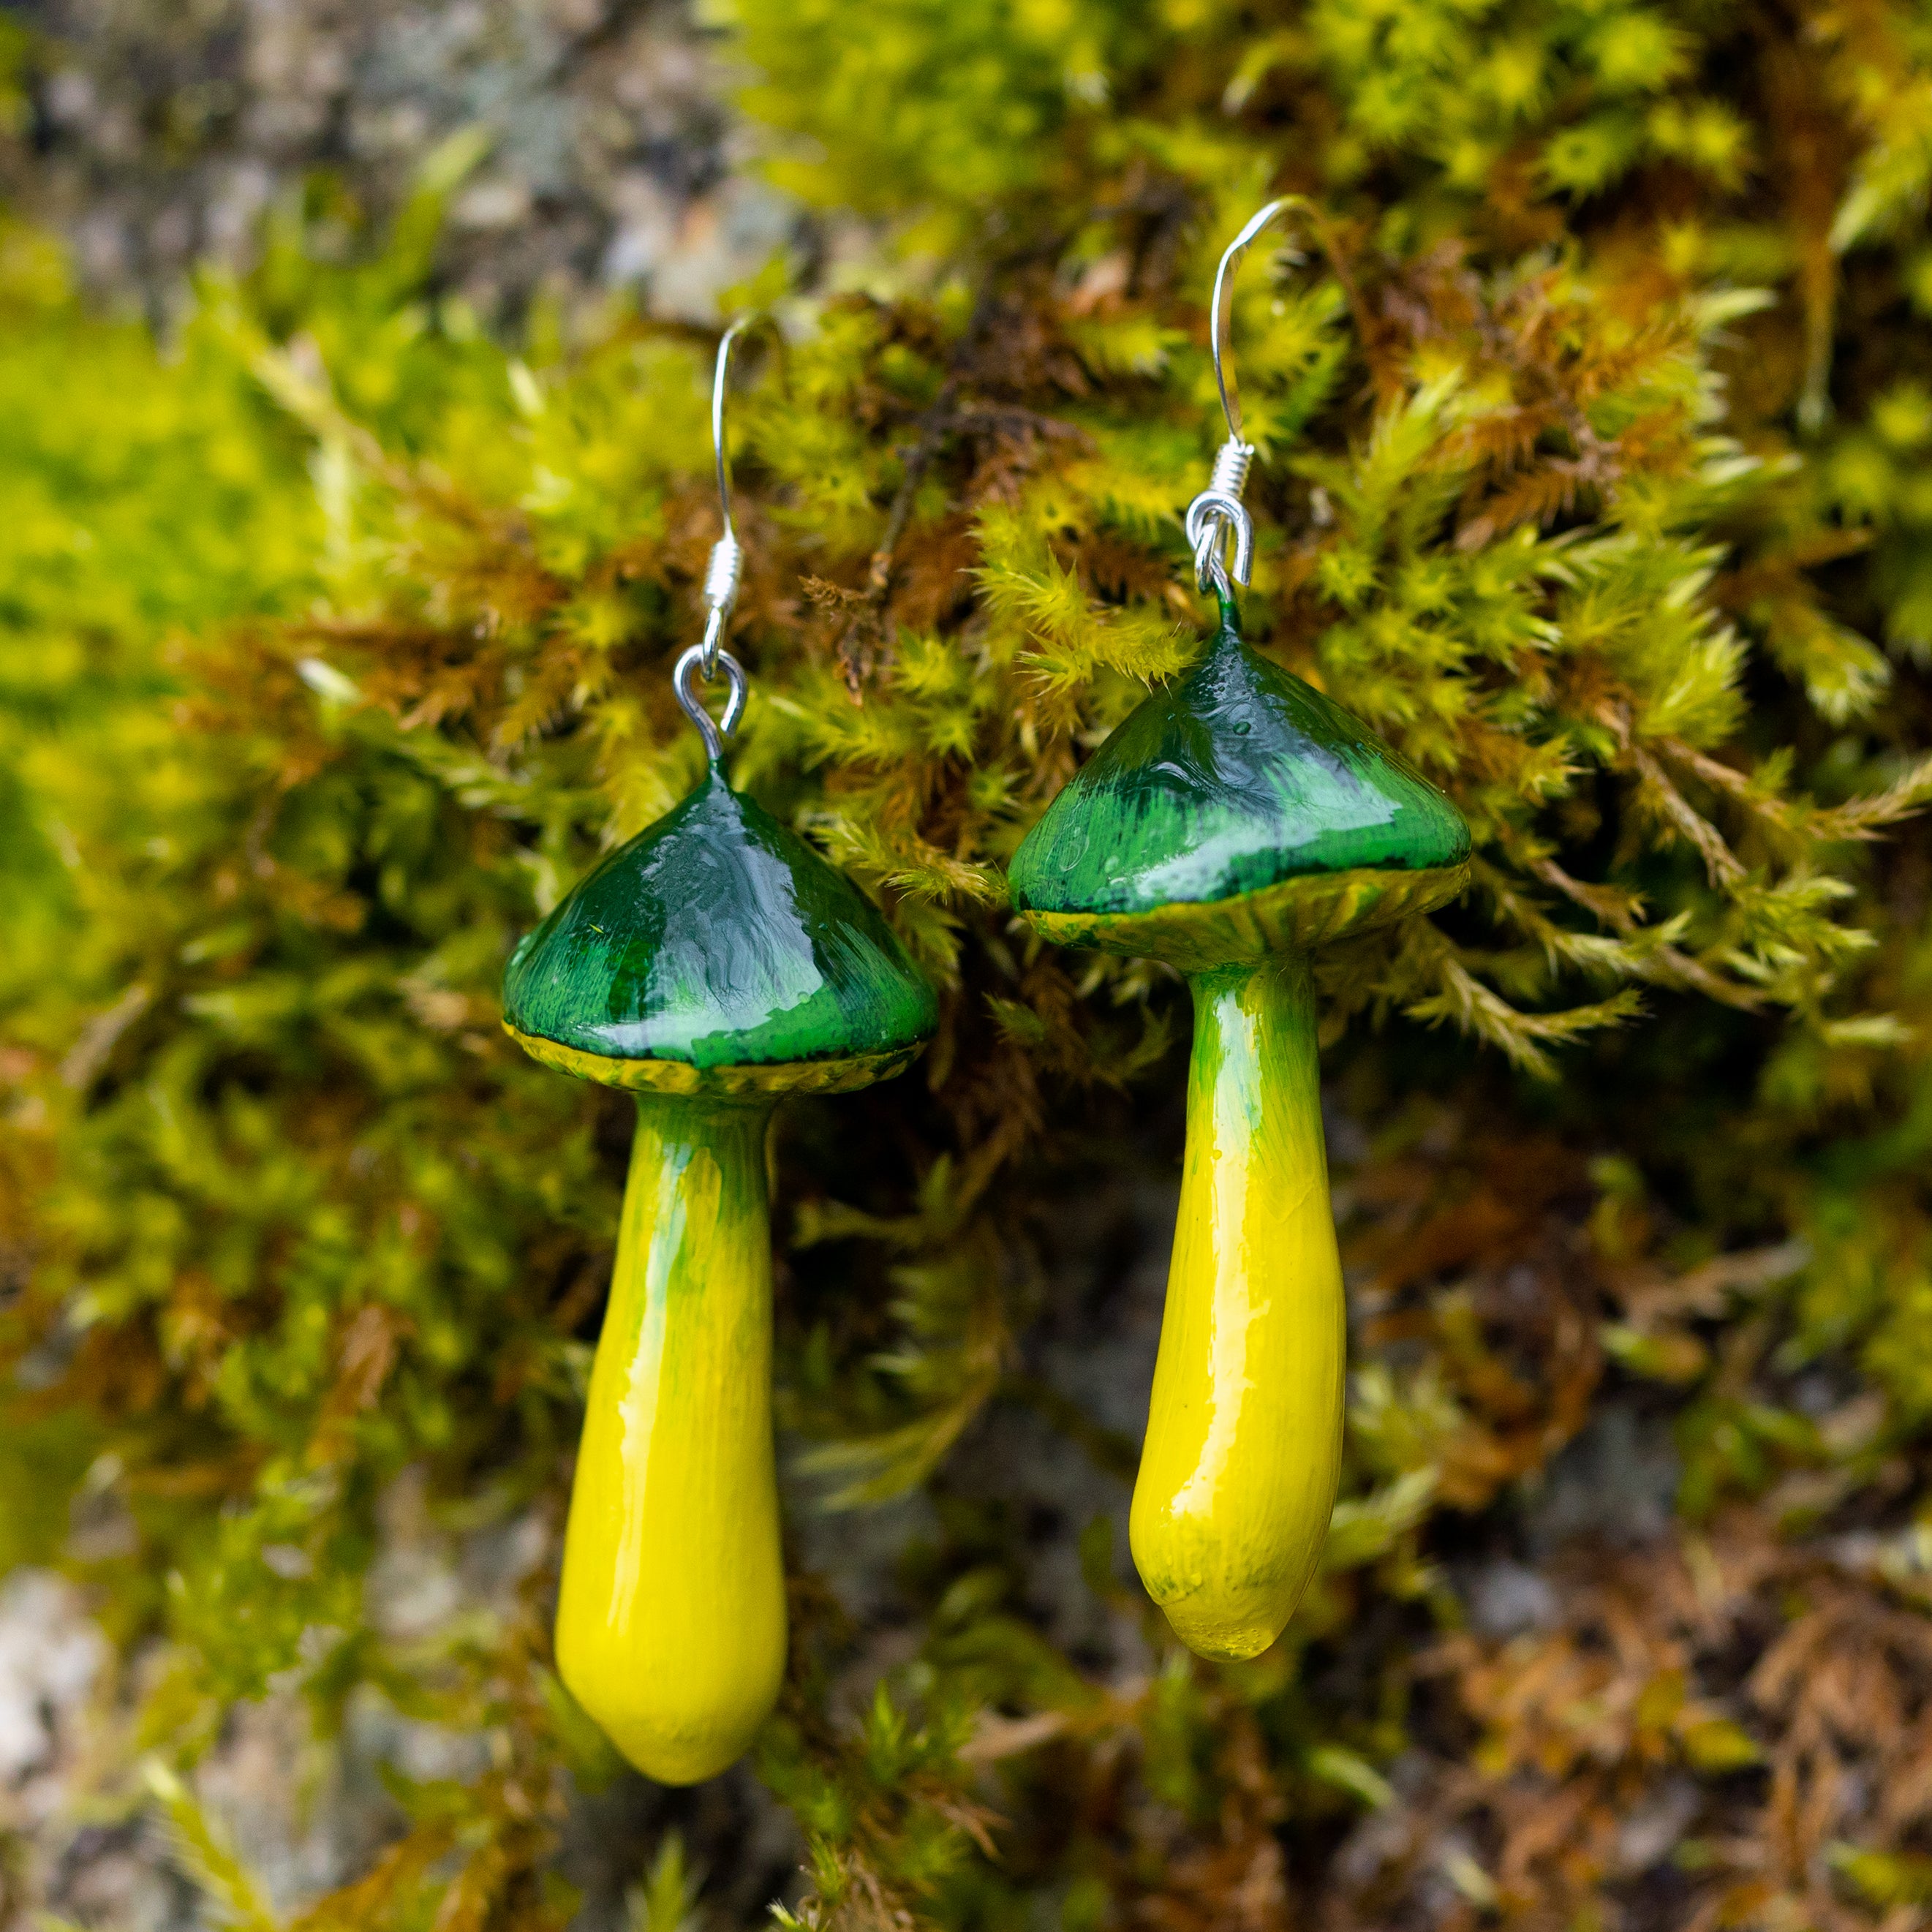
721	579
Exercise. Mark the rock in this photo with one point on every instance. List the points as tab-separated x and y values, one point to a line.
161	135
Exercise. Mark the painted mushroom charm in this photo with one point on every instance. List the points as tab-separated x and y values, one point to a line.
1235	821
711	965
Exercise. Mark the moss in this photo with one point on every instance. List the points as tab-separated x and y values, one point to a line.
1591	481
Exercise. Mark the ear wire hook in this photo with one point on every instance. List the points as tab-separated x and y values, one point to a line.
722	576
1218	513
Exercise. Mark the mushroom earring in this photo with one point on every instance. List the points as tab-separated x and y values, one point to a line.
1234	822
711	965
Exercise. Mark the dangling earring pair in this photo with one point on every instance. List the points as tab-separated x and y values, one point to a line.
1235	821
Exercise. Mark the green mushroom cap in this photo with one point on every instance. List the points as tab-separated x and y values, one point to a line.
717	953
1237	813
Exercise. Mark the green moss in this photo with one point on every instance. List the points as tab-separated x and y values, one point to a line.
1590	481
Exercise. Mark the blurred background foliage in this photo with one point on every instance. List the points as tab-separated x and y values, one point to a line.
1596	473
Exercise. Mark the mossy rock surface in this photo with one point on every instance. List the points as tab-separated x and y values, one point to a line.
1237	778
717	938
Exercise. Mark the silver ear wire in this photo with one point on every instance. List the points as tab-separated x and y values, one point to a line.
722	575
726	566
1218	513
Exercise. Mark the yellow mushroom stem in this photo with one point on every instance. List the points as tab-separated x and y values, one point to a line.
671	1628
1244	1432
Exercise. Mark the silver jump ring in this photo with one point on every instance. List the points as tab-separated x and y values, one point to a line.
714	732
1210	514
1207	553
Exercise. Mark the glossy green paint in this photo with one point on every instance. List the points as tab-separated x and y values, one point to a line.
1234	778
1243	1446
717	938
670	1623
